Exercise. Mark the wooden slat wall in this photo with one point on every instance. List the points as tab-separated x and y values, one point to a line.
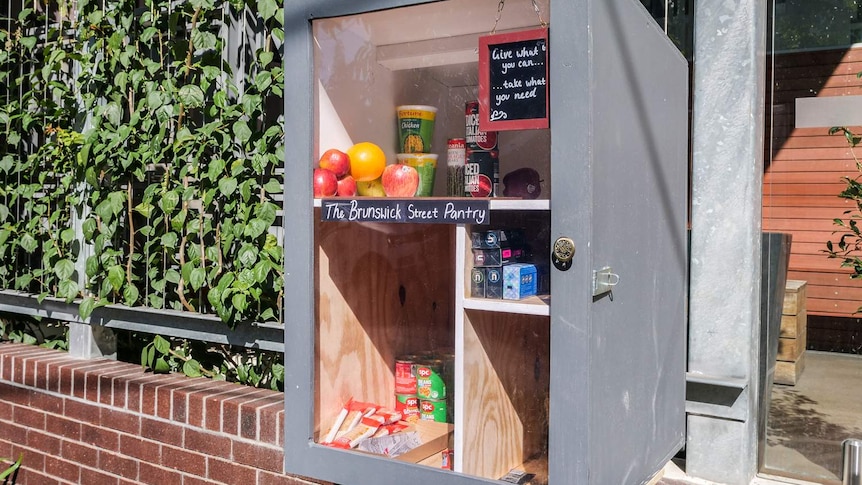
803	174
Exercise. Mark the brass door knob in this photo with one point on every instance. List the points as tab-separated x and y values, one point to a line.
563	252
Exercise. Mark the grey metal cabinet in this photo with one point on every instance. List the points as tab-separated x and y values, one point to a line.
583	385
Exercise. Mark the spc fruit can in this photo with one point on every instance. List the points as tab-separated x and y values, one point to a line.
408	406
456	157
477	140
481	173
430	379
433	410
405	377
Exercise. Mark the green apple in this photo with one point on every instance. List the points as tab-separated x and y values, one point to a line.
370	188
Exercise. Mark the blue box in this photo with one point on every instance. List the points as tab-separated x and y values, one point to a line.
519	281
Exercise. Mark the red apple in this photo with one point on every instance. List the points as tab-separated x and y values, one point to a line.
346	186
325	183
335	161
400	180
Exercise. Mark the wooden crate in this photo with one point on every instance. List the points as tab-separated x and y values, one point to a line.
792	336
789	372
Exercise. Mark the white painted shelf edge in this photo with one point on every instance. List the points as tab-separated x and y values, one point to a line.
531	306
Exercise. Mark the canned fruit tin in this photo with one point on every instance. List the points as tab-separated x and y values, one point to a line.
433	410
430	381
481	173
405	379
408	406
477	140
416	127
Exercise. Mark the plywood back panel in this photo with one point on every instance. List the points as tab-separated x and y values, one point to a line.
384	290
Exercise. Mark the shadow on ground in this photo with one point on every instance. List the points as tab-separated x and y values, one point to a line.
795	422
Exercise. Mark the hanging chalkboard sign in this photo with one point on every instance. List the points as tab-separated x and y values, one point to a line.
513	80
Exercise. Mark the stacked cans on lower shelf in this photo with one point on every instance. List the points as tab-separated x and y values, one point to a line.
423	386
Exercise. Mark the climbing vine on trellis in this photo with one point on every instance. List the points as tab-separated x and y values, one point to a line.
139	155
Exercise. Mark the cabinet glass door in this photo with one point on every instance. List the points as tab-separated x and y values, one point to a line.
431	337
427	348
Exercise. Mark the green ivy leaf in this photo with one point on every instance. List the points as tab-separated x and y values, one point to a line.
113	113
92	266
263	81
255	228
169	201
145	209
130	295
267	8
227	186
116	275
28	243
239	301
215	169
169	240
191	95
267	315
265	57
261	271
85	309
89	228
273	187
241	131
68	290
64	269
172	276
161	345
197	278
67	235
247	255
161	366
192	368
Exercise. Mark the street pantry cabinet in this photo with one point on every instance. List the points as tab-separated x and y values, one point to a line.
582	383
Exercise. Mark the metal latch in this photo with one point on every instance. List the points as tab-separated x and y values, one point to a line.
604	280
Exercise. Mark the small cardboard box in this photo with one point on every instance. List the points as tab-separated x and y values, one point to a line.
477	283
519	281
496	238
485	258
493	283
486	283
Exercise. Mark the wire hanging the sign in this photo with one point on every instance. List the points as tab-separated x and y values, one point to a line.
500	13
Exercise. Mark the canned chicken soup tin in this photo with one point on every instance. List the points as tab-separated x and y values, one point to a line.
416	127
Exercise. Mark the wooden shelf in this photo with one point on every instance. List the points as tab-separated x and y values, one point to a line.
500	204
534	305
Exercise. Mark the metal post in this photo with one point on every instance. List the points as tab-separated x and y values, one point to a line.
852	453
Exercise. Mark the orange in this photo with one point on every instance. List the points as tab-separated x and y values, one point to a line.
367	161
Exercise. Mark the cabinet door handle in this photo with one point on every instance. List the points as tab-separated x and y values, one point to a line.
563	252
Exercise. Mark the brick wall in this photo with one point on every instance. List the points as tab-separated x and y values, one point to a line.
104	422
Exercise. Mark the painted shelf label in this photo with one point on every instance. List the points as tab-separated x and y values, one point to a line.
427	211
513	81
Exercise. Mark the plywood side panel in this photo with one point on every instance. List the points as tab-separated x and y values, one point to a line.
384	290
507	372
